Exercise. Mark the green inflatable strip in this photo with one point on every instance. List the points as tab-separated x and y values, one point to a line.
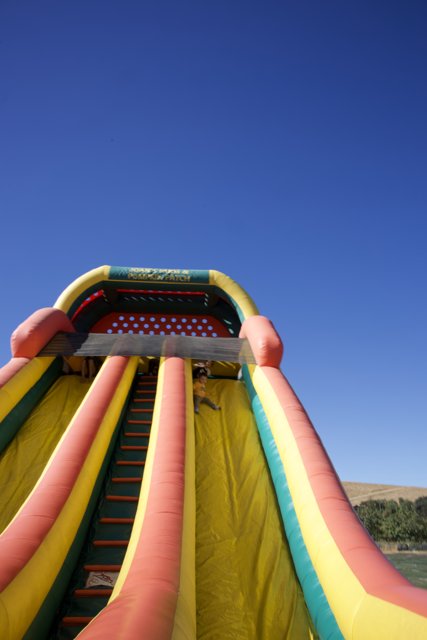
175	276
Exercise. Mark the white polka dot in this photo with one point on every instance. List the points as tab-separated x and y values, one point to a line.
141	318
109	331
140	332
115	324
194	320
151	333
121	317
214	335
132	318
204	321
120	331
156	326
130	331
152	319
163	319
135	325
183	333
125	324
184	320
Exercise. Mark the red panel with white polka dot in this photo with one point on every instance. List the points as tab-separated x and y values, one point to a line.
161	325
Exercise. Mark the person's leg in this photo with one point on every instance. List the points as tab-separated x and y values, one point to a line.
92	368
197	400
211	404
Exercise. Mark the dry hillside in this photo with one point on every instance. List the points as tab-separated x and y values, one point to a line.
357	492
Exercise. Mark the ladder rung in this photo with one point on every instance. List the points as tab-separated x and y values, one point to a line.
130	463
102	567
75	621
137	411
134	434
146	391
136	421
117	520
93	593
113	498
133	447
119	480
110	543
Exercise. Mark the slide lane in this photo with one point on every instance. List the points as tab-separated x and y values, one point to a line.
246	582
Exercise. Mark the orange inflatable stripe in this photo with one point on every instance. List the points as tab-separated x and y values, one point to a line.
36	331
368	564
147	600
28	529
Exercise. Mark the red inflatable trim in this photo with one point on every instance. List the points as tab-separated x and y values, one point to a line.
36	331
265	342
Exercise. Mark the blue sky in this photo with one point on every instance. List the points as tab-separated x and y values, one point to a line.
283	143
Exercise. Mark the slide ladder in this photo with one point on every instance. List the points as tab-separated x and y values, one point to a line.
102	558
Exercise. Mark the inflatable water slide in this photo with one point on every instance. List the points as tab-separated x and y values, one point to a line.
125	515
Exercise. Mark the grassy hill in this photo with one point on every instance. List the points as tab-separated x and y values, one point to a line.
358	492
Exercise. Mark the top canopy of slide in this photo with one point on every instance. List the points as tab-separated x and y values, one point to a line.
147	301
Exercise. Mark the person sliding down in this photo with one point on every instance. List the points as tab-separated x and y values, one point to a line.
199	392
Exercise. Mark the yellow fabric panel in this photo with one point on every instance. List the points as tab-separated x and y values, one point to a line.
24	459
235	291
359	615
185	616
224	369
245	580
14	390
19	601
